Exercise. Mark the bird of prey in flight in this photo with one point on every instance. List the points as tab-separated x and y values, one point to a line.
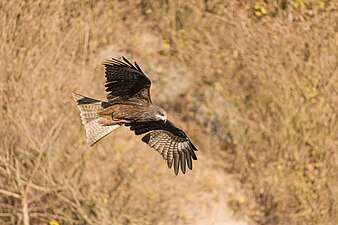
129	104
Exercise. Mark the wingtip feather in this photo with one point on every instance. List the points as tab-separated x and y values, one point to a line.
146	138
127	61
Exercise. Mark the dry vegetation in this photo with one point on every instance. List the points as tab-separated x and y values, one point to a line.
260	84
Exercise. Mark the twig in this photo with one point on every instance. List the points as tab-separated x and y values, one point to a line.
25	213
41	148
79	208
51	137
9	193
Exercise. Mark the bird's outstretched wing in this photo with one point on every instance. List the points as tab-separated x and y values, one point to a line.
171	142
125	81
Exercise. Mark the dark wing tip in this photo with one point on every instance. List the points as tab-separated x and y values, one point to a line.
138	68
130	64
170	163
193	156
189	161
113	62
176	162
117	62
176	171
182	161
192	148
146	138
127	61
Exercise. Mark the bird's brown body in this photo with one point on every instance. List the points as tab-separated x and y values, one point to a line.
128	112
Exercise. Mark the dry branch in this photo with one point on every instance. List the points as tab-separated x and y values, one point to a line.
9	193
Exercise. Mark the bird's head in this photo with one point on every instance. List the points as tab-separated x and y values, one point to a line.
161	115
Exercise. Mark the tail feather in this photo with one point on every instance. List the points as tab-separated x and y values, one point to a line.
88	108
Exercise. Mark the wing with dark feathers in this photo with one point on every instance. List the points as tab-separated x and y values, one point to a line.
171	142
125	81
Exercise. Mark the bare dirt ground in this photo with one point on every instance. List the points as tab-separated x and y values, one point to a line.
195	198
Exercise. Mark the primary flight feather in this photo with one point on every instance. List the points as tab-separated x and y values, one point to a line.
129	104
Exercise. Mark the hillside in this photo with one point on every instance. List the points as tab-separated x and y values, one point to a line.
253	83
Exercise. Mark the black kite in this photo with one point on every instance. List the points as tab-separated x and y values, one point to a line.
129	104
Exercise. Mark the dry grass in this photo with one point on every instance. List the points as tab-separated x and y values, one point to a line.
263	85
270	94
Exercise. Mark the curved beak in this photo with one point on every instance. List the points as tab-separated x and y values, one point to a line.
162	118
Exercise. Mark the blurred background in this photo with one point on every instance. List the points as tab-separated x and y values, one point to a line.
253	83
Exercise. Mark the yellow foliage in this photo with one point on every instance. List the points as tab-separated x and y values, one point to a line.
53	222
260	9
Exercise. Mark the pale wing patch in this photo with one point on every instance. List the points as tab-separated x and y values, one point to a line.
171	142
174	150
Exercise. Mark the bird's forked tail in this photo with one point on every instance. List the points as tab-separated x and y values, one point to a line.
94	129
